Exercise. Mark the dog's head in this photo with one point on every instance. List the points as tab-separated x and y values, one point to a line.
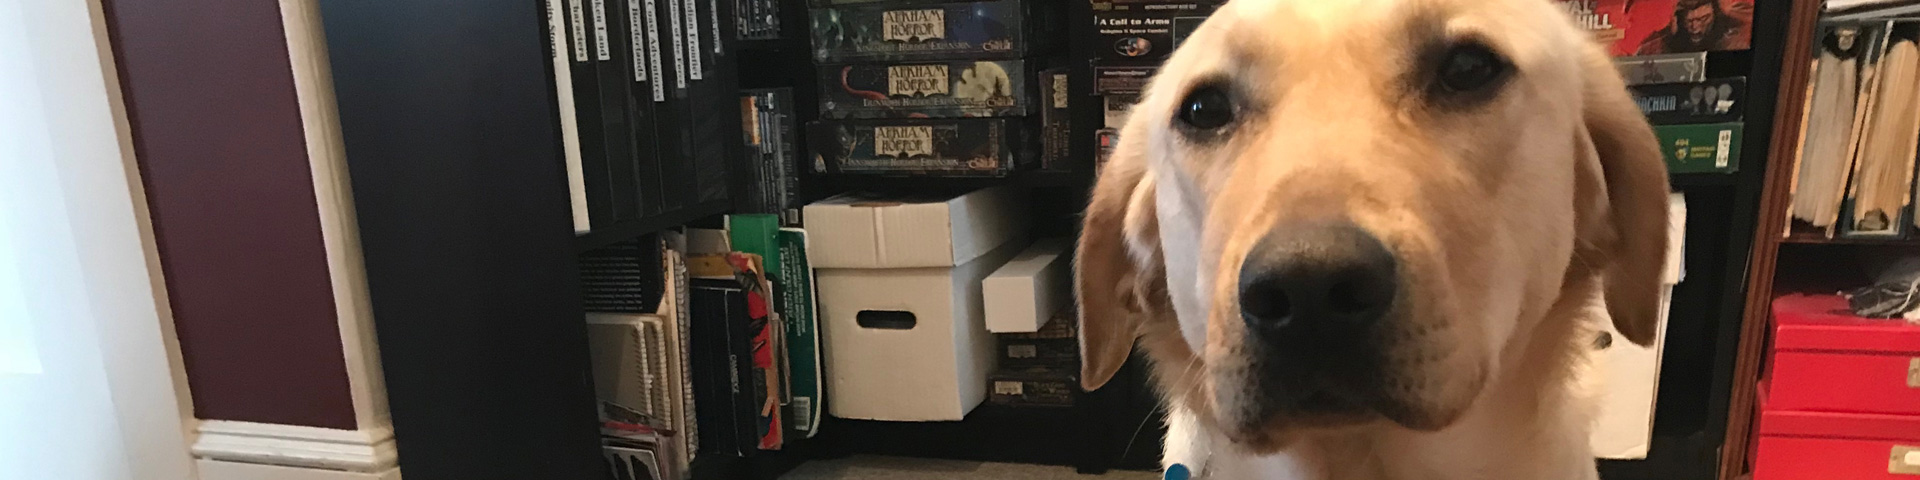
1339	213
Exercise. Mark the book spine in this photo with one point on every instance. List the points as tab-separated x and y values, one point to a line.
557	50
583	73
630	34
803	337
673	130
682	306
616	114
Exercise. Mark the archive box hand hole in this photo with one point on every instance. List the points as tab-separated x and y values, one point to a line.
886	319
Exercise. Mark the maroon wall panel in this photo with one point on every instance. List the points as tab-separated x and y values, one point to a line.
217	131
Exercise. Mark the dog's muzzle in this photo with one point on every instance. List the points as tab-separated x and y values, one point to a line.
1316	298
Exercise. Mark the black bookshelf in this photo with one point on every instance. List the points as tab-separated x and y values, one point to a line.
462	203
1703	336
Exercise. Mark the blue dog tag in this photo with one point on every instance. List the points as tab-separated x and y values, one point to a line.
1177	472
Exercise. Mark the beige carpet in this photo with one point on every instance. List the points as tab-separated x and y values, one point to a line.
863	467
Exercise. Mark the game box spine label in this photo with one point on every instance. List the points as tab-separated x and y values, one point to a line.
1704	148
855	3
966	88
1034	387
1712	101
1663	68
1056	118
993	30
1017	352
967	147
1121	79
1145	34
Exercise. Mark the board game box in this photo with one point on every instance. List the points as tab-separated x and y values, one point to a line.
1705	148
1663	68
1122	79
1714	101
1645	27
1146	34
1034	387
992	30
960	88
1056	118
960	147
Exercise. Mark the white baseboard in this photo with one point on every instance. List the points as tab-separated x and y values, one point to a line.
219	470
363	451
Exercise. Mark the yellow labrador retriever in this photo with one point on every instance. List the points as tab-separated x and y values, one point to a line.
1361	239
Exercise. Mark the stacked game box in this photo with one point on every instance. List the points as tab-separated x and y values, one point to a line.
937	88
1040	368
1132	38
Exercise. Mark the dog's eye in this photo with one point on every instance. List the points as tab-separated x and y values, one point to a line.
1206	108
1471	67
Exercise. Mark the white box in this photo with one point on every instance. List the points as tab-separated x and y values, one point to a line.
866	231
934	370
1625	378
1024	294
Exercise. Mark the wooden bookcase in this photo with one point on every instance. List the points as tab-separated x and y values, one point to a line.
1782	263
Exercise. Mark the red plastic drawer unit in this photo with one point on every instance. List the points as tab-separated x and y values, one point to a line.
1799	445
1827	360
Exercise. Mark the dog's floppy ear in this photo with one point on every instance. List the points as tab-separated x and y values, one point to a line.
1624	225
1116	266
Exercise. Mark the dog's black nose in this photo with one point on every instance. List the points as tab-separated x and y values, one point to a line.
1316	281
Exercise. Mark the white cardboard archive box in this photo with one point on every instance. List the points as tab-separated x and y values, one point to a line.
1023	295
908	344
865	231
1624	378
901	305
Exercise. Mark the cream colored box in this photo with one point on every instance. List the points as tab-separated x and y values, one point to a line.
1623	378
1024	294
908	344
868	231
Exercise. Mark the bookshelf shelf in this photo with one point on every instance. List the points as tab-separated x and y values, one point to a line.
1884	242
629	230
1682	180
1031	179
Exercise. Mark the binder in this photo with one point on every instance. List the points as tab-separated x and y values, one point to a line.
670	130
585	79
1880	197
627	29
713	98
1824	160
557	50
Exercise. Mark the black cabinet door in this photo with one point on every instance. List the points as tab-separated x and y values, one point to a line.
461	197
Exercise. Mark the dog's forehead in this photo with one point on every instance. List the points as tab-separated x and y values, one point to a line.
1254	30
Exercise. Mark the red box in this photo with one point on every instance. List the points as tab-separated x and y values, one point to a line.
1825	359
1800	445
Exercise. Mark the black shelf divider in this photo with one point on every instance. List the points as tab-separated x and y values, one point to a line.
624	231
453	147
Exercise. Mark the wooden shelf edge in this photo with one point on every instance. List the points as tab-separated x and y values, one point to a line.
1776	197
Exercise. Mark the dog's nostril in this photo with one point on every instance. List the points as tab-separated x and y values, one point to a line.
1267	306
1349	297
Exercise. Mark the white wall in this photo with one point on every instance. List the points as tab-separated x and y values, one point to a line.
89	384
